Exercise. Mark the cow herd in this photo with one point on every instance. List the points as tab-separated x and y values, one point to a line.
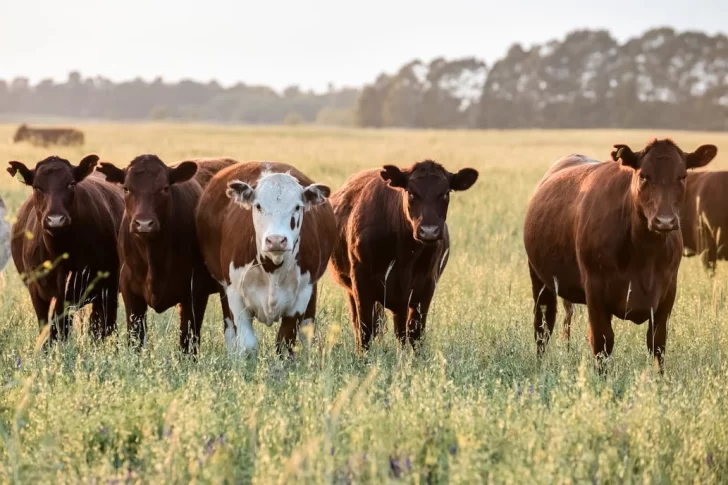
261	235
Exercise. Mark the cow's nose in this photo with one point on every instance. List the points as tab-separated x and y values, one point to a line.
429	233
276	243
59	220
665	223
144	225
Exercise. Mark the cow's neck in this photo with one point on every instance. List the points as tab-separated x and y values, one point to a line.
647	246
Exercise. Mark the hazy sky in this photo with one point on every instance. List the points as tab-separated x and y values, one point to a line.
305	42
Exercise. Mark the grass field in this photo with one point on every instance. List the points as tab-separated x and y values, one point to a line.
473	407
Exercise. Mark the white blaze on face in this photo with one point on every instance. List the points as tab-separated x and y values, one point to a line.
278	202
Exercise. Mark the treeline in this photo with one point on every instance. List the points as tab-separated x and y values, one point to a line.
659	80
186	100
662	79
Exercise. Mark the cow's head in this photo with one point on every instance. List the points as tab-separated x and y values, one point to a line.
658	181
21	133
147	183
54	185
426	188
278	203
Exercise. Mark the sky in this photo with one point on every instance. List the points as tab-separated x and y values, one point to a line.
310	43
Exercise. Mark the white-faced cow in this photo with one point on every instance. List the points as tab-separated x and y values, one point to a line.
266	233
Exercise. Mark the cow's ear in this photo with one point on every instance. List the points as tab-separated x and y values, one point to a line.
394	176
241	193
113	174
464	179
628	157
702	156
182	172
315	194
85	167
21	172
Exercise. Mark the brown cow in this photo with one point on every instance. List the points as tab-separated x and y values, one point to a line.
705	217
65	242
48	136
393	243
607	235
266	232
161	261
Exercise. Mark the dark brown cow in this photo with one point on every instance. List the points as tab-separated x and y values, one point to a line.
71	212
48	136
161	261
266	232
393	244
607	235
705	217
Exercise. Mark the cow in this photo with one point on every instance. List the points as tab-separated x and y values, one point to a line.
266	231
48	136
392	244
64	242
705	218
162	264
607	235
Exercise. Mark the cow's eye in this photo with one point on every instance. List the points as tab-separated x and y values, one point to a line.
258	207
446	196
72	185
643	179
411	195
682	178
298	208
126	190
165	189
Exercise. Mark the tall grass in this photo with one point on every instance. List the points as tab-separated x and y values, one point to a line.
474	406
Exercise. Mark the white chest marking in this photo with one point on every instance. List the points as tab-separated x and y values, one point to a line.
267	297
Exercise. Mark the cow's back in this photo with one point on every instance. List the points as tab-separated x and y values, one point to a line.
706	200
577	203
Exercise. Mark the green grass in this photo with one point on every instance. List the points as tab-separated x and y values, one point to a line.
475	406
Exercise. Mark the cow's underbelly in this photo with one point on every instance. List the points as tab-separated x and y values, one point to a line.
270	296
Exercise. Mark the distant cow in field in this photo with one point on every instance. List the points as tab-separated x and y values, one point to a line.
49	136
392	243
705	217
607	235
266	232
161	261
64	242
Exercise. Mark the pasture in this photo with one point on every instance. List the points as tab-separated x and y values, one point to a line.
474	406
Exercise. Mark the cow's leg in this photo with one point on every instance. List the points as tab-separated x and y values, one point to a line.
227	315
61	325
239	337
287	335
307	326
601	335
418	311
42	307
103	311
136	316
707	246
657	331
364	300
191	314
400	316
544	312
568	315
